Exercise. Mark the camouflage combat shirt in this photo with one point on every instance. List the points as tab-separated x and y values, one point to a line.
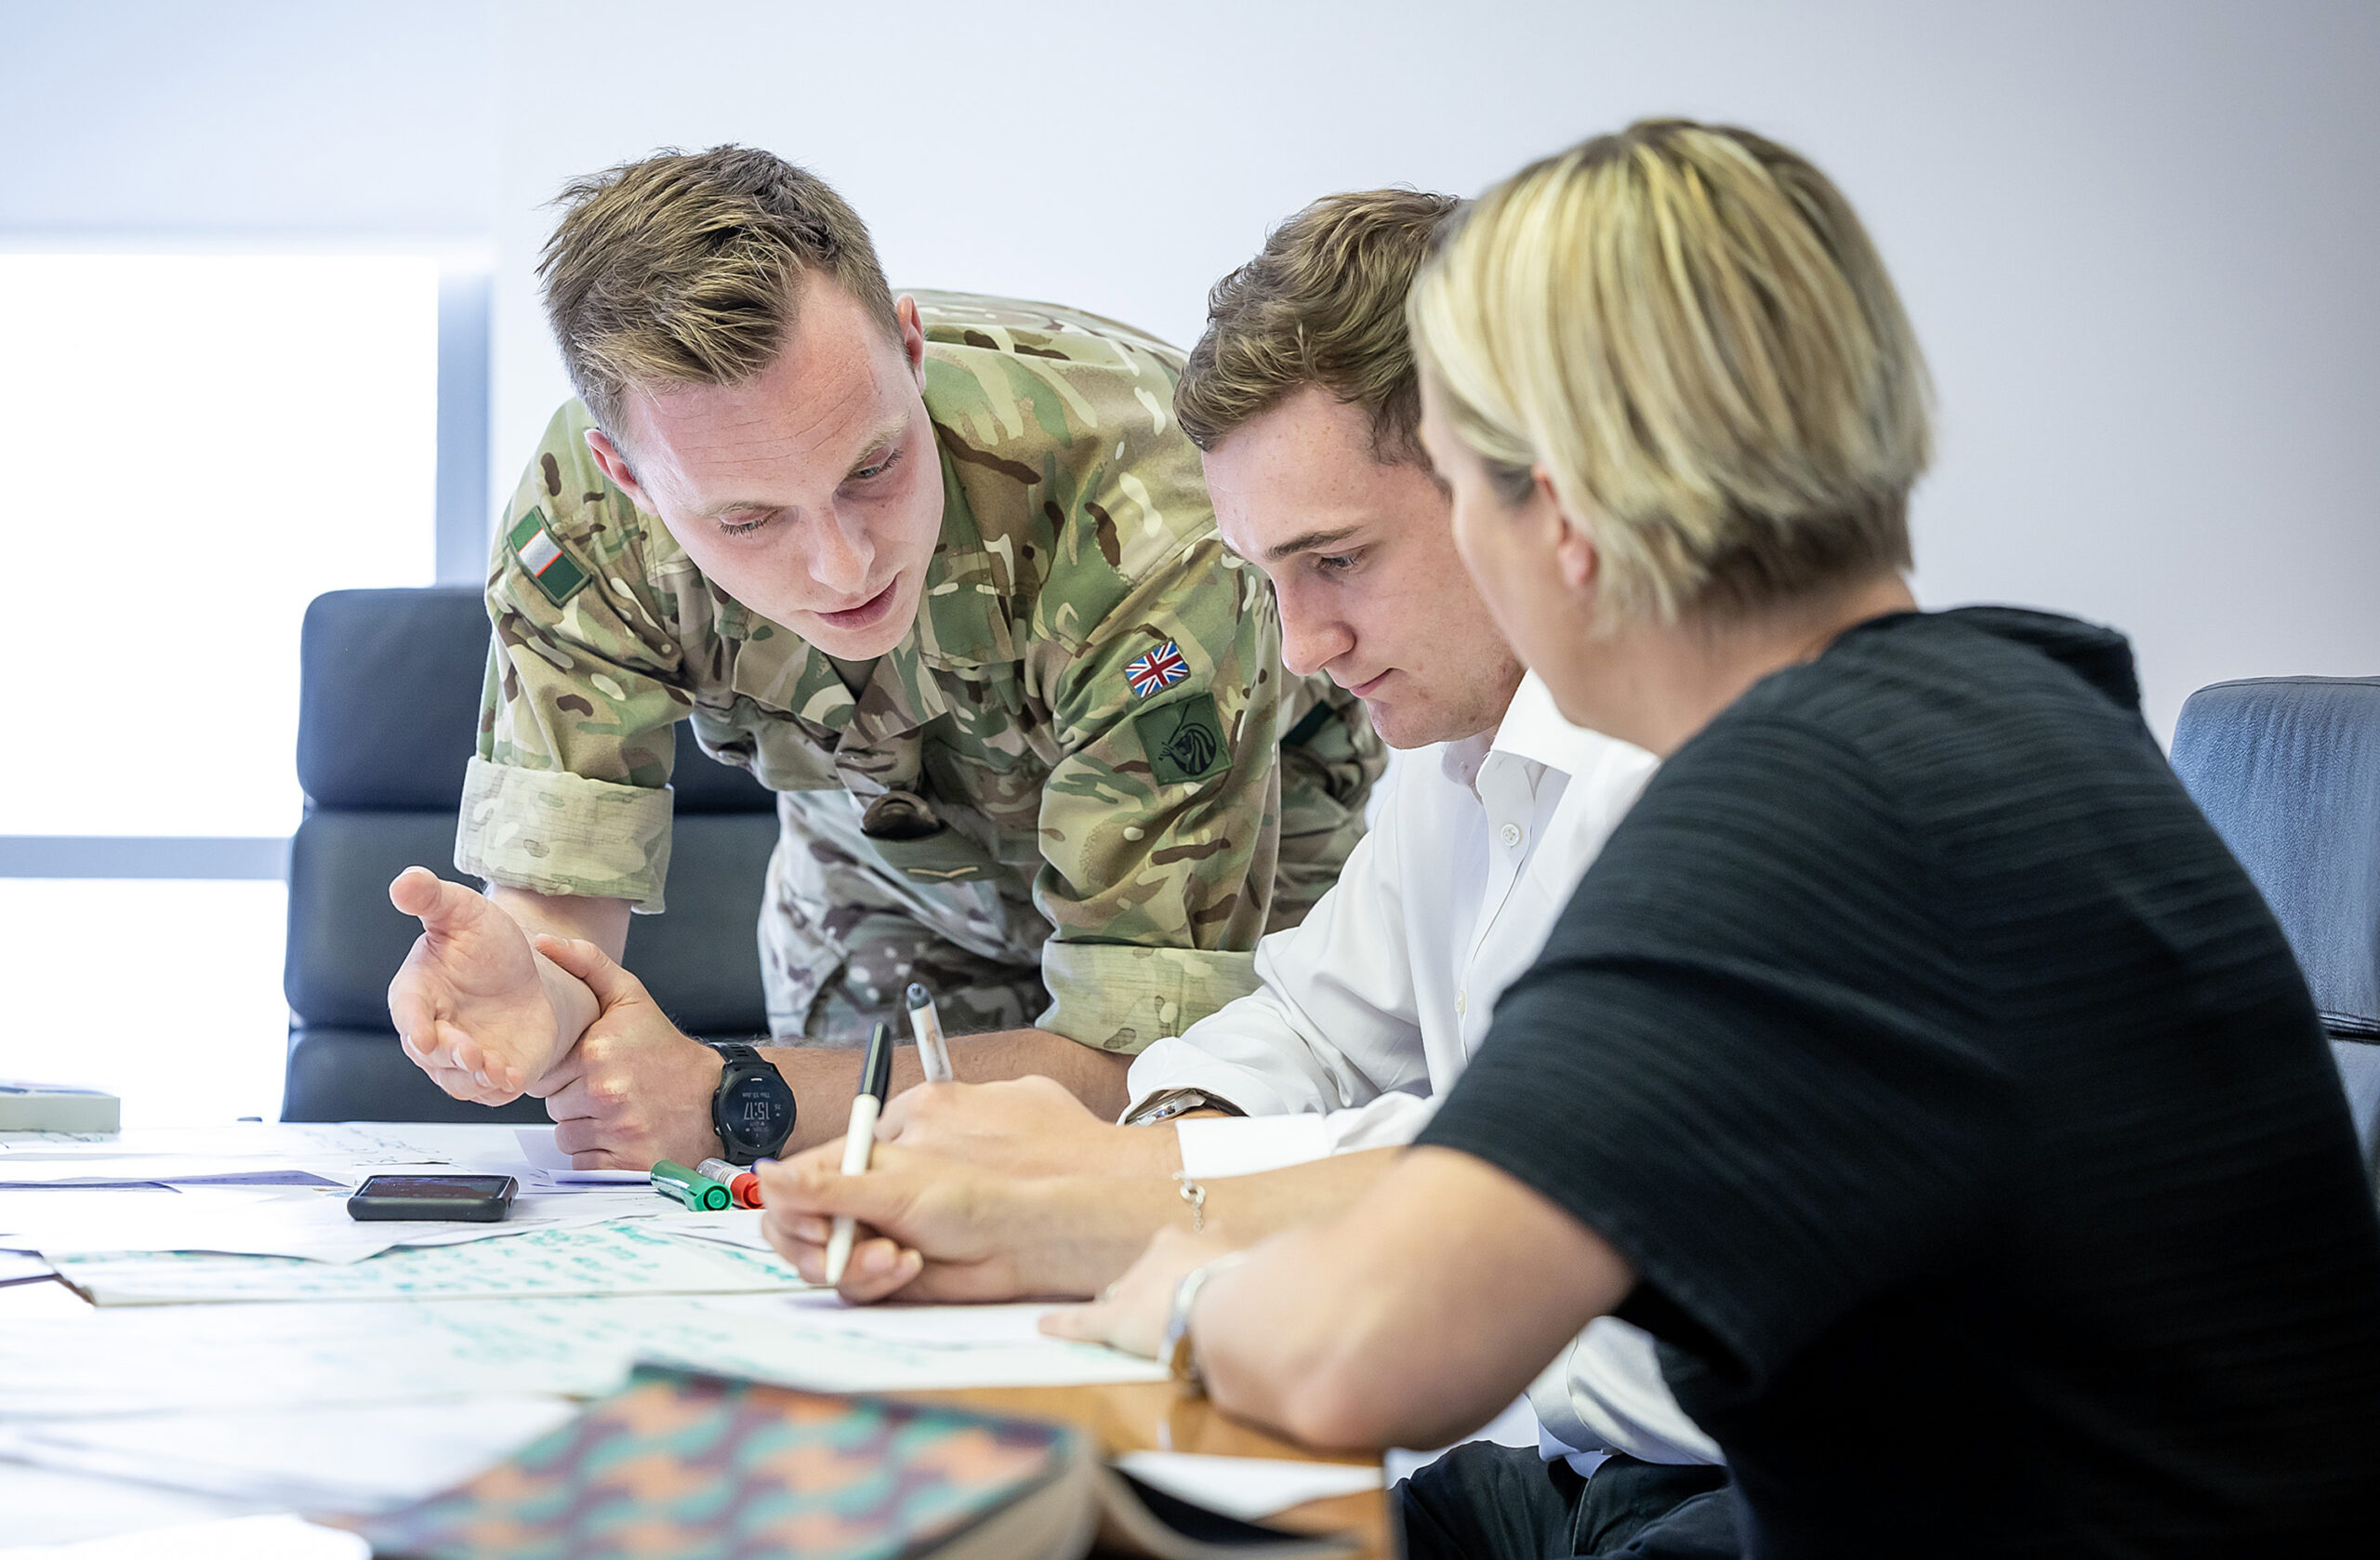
1088	705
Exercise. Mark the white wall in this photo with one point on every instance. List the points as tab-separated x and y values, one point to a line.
234	119
2137	239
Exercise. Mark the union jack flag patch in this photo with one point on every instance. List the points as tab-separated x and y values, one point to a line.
1161	667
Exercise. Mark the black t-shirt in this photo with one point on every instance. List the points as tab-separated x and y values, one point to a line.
1965	1116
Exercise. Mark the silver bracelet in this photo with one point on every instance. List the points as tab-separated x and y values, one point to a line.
1196	1195
1179	1354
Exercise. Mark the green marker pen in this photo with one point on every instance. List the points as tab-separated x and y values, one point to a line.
697	1192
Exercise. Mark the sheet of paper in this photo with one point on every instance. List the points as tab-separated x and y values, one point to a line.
29	1213
312	1225
537	1145
252	1141
72	1360
158	1169
42	1300
48	1508
236	1538
294	1153
1246	1488
815	1341
22	1267
361	1143
338	1153
615	1257
351	1457
737	1226
77	1360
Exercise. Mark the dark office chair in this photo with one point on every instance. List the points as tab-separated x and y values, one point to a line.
388	710
2288	769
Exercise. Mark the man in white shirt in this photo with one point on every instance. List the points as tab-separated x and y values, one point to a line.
1303	399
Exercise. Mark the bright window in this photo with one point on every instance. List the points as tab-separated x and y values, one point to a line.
164	992
197	446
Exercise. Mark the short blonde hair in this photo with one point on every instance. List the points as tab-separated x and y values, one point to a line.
679	269
1687	326
1322	303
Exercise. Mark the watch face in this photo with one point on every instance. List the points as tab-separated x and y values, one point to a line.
757	1110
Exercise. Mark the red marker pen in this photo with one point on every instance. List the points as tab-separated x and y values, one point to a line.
740	1184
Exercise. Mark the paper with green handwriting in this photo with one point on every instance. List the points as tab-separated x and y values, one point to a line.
610	1258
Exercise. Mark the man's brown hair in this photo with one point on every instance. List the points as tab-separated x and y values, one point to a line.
1322	303
679	269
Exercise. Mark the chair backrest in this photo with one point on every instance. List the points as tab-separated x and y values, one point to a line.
2288	769
388	708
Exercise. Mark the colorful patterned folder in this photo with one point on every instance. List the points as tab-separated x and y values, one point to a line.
696	1468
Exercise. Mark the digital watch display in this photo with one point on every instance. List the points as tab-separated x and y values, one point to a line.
753	1108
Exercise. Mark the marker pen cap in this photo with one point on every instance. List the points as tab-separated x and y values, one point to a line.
697	1192
740	1181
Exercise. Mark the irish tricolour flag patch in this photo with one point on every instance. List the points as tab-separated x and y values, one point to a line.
543	560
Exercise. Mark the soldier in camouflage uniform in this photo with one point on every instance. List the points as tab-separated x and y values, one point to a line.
1004	802
1072	795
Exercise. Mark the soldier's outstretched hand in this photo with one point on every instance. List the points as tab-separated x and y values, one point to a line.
470	1002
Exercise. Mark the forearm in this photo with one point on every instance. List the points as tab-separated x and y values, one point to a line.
1373	1328
1082	1232
825	1081
603	922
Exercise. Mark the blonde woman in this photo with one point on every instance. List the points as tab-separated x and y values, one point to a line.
1914	1063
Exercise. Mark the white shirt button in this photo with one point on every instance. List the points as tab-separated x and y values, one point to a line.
1462	1001
1512	833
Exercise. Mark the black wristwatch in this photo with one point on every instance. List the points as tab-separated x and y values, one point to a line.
752	1108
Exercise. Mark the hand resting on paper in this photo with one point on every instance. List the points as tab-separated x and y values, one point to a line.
1130	1313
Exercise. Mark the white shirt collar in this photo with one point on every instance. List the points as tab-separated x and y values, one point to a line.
1534	730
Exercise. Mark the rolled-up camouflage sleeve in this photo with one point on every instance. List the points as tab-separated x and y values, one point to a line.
1160	827
569	791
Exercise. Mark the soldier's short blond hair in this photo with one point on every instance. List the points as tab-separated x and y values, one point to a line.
1687	328
681	269
1322	303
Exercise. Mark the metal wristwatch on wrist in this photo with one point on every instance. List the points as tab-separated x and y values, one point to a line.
753	1108
1166	1104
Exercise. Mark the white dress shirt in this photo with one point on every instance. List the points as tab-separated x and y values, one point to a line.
1371	1009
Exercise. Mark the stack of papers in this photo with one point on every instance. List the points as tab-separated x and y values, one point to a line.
359	1458
290	1154
250	1345
22	1267
236	1538
152	1170
67	1222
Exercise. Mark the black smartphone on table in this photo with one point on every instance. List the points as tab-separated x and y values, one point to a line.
478	1199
